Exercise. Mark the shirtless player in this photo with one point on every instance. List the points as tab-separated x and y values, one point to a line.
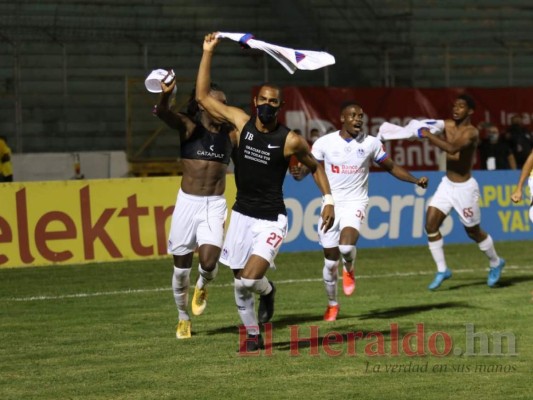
200	212
458	190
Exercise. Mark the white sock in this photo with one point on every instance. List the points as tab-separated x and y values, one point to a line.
437	251
259	286
244	299
487	247
180	287
205	276
331	276
348	253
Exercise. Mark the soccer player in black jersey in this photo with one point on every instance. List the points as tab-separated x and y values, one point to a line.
259	219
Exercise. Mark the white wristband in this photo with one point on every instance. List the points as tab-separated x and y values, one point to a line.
328	200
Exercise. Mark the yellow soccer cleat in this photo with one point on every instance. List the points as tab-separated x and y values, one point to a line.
199	301
183	330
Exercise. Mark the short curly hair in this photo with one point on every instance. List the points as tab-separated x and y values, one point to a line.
468	100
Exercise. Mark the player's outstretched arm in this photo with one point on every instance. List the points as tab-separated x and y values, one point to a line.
524	174
402	174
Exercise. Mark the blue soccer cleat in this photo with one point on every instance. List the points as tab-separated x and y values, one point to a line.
439	278
495	273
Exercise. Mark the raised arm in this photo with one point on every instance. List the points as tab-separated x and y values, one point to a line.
296	145
233	115
526	171
174	120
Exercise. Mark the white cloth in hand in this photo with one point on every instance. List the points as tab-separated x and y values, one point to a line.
388	131
289	58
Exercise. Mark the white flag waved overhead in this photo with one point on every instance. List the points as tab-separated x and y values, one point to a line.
290	59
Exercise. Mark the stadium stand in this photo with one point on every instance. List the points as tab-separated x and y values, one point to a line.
71	72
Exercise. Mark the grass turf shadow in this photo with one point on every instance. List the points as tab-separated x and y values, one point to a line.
410	310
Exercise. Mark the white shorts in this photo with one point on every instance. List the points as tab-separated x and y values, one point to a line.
247	236
462	197
196	220
346	215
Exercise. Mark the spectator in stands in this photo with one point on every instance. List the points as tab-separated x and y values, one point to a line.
520	140
314	134
494	151
6	167
200	213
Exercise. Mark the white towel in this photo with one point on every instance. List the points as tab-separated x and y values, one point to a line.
290	59
388	131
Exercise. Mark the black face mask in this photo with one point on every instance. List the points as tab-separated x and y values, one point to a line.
267	113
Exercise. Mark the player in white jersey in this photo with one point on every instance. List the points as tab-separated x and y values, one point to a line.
347	156
527	171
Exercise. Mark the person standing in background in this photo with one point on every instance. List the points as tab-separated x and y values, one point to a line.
494	152
314	134
6	167
520	140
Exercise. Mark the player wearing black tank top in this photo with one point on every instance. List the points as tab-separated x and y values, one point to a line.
198	218
258	221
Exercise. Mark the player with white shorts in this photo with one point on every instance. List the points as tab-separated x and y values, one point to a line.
463	197
258	222
347	156
458	190
347	215
197	220
247	235
200	211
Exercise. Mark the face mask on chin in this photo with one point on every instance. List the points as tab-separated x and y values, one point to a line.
267	113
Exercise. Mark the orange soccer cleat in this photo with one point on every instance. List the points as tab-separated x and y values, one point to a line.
348	282
331	313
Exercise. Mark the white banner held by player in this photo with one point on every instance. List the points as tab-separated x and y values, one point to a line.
290	59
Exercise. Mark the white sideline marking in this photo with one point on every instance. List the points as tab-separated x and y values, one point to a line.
287	281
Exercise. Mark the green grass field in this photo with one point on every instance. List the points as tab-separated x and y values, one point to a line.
107	331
